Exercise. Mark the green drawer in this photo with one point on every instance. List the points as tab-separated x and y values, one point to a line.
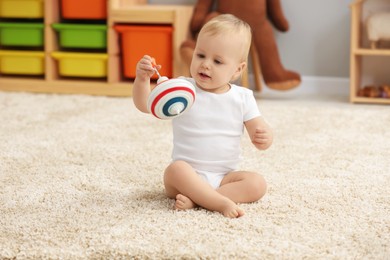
22	34
87	36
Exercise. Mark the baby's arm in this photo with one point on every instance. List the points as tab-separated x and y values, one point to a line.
141	88
260	132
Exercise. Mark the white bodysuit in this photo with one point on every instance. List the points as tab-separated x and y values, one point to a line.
208	135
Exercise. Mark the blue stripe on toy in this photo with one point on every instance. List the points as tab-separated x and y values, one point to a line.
171	102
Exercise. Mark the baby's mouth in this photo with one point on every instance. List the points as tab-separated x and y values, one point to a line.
204	76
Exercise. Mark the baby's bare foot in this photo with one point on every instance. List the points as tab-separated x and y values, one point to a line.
231	210
182	202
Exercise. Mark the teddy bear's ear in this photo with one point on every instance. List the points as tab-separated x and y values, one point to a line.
276	15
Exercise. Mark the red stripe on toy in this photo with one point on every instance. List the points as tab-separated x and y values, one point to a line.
162	94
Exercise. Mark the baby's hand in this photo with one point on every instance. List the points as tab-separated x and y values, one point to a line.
262	138
145	68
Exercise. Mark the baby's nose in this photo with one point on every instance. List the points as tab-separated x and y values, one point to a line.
206	64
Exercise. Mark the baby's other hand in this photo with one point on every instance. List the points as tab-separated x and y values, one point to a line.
145	67
262	138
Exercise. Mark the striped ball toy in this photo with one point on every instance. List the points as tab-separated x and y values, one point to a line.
171	98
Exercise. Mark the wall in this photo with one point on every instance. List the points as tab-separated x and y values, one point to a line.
318	41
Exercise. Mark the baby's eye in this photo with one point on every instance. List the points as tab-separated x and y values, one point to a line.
217	62
201	56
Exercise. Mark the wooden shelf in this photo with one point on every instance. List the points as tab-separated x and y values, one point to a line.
357	54
368	100
119	11
66	86
148	14
371	52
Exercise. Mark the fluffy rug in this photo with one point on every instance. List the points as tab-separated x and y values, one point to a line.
81	177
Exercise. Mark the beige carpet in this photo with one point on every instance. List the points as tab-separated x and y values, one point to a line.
81	177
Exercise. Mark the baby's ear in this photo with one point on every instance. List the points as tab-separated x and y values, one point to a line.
240	69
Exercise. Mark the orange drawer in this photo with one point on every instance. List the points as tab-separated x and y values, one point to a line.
84	9
153	40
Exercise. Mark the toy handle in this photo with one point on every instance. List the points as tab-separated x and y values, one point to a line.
160	78
155	69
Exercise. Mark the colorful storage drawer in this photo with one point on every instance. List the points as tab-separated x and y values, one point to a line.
84	9
138	40
22	62
81	35
22	34
21	8
72	64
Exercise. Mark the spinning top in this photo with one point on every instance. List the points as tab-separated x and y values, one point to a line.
171	97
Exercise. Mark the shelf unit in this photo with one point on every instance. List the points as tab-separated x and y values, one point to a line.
119	11
358	52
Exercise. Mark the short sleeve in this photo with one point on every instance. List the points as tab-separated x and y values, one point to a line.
251	110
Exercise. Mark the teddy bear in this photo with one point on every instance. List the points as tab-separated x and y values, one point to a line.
259	14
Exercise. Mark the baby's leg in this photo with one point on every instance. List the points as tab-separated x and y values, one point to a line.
186	186
243	187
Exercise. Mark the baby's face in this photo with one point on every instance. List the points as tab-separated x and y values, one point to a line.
216	61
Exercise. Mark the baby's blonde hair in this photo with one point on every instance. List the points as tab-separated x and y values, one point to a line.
230	24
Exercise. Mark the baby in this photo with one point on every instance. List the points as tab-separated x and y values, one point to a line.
206	138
